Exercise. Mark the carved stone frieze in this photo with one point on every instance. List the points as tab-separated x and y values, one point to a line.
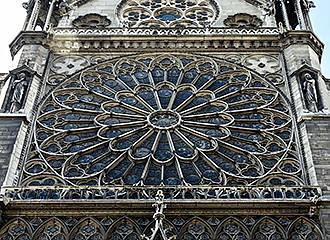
243	20
92	20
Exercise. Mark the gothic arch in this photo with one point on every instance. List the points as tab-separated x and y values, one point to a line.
232	228
196	228
168	227
267	229
52	229
16	229
303	229
87	229
123	229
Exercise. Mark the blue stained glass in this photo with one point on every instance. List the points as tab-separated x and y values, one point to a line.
132	179
190	76
202	80
96	168
87	98
74	172
193	179
42	136
181	97
154	175
172	181
56	163
185	152
229	167
163	154
251	172
76	148
167	16
240	158
107	69
165	96
142	152
128	80
70	126
85	159
269	162
71	138
211	174
35	169
53	148
130	101
125	130
173	75
285	135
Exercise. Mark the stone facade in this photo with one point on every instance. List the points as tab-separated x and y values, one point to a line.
165	120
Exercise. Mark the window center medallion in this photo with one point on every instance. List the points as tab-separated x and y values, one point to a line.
164	119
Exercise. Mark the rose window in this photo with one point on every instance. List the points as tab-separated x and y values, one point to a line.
167	13
165	119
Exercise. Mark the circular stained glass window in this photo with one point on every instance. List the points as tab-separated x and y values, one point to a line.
167	13
167	119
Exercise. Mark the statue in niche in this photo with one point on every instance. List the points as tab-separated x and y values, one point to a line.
310	92
19	86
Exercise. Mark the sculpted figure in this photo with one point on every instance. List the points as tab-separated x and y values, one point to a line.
19	87
63	7
28	6
310	92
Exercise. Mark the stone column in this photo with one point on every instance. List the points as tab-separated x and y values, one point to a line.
285	15
49	14
34	16
300	14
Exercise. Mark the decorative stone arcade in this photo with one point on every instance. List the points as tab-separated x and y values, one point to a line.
165	119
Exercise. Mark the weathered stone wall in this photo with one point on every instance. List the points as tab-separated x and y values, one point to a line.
318	133
8	132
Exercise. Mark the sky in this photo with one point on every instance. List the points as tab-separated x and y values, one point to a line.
12	17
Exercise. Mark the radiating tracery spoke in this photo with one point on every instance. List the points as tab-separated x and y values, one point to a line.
167	119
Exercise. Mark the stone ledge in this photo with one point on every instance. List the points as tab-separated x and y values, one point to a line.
28	38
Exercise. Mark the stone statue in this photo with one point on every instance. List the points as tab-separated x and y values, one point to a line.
28	6
63	8
308	4
19	88
310	92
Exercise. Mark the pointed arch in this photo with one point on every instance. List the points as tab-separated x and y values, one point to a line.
16	229
124	228
303	228
168	227
267	229
52	229
196	228
87	228
232	228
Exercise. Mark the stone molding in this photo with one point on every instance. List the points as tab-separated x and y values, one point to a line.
162	31
84	40
27	38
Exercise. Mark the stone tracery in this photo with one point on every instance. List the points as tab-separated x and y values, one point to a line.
167	13
171	119
253	227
